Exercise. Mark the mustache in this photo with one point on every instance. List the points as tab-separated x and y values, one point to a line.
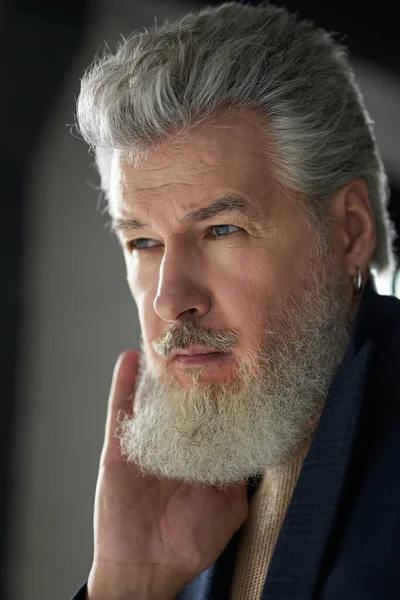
185	334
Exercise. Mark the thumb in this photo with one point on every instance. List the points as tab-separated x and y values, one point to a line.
120	402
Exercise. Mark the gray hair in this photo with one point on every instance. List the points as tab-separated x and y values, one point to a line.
237	55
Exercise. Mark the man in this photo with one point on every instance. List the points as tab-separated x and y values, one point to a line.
254	453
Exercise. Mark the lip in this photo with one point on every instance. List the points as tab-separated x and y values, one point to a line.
198	360
197	356
193	350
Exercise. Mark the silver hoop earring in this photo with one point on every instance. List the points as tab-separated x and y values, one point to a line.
357	282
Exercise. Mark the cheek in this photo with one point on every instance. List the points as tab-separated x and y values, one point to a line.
246	293
143	287
148	319
249	301
251	290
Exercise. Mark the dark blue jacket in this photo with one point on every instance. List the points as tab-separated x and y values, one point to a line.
340	539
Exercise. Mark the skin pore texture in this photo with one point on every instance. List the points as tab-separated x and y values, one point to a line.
257	282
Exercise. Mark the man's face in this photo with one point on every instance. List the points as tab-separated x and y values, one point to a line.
222	260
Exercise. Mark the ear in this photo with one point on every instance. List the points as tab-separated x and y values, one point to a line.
354	226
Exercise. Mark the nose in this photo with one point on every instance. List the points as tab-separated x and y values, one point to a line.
181	289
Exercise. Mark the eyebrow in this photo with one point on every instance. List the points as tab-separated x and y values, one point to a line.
230	203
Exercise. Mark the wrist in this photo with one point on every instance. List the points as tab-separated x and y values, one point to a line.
124	582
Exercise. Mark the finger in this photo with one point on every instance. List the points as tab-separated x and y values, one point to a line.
121	399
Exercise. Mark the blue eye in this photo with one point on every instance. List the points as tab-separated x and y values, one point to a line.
226	230
142	244
147	243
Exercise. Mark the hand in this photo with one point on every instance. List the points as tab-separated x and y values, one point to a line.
157	531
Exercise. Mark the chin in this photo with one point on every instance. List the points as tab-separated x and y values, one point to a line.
203	374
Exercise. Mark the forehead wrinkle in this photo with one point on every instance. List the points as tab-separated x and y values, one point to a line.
200	157
129	184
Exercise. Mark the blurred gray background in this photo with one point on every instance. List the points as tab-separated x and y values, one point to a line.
66	308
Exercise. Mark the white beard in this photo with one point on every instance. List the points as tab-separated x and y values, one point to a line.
223	433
